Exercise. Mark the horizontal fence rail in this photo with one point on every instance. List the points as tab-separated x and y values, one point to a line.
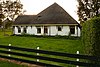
93	58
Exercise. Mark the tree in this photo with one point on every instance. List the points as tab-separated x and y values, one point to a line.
1	14
11	9
1	17
91	37
88	9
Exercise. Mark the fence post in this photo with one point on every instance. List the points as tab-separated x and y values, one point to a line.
77	58
37	53
9	50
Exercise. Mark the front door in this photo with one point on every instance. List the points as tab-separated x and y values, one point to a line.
45	30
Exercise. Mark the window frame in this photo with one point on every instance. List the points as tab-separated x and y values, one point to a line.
38	29
25	29
59	28
72	29
19	29
45	29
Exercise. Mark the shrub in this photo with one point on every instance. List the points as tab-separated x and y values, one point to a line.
91	36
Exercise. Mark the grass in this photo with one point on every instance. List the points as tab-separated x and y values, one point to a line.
48	43
62	45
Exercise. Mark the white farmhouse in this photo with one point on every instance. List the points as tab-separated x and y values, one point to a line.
52	21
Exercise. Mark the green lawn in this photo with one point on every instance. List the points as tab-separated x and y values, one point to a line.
52	44
48	43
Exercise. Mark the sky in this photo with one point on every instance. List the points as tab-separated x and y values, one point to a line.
35	6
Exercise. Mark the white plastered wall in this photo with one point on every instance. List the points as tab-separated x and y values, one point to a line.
52	30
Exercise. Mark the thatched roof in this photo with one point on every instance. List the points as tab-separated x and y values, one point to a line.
24	19
54	14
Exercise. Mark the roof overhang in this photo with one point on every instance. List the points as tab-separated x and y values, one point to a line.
42	24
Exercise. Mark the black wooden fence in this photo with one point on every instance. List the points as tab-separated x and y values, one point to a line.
92	58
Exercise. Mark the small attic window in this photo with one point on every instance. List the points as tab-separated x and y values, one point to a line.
39	16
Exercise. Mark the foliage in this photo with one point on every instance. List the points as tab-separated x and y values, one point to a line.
8	24
7	31
0	22
1	17
10	8
88	9
91	36
46	36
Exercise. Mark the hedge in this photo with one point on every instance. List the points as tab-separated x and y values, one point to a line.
91	36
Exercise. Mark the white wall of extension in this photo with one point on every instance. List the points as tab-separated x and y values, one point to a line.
51	30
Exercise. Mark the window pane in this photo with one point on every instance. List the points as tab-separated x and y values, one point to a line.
45	29
72	29
38	30
19	29
59	28
25	31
